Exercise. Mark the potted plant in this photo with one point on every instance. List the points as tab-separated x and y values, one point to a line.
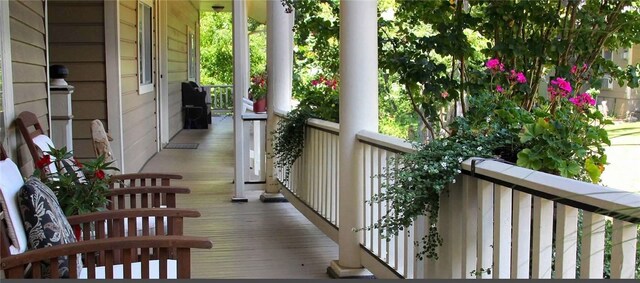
80	187
258	92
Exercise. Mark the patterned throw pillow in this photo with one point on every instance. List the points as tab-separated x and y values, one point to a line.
44	221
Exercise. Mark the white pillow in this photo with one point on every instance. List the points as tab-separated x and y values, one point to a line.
10	183
44	143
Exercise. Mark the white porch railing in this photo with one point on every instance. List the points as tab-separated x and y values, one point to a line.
517	222
317	187
221	98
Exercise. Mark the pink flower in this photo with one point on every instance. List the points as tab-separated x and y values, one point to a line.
559	87
583	100
574	69
494	65
518	77
521	78
444	94
499	89
315	82
331	83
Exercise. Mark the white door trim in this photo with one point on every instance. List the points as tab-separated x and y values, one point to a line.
113	76
7	81
163	76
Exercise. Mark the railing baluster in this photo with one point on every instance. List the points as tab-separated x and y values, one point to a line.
485	228
592	254
373	188
368	210
325	175
542	237
456	227
382	165
470	226
520	250
566	241
623	254
443	264
502	232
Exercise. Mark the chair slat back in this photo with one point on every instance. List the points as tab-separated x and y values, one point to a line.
25	121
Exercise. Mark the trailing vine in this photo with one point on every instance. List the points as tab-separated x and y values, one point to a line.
288	139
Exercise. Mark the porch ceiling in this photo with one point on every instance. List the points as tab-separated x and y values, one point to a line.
256	9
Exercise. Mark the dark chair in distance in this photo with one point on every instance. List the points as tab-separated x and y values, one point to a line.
196	106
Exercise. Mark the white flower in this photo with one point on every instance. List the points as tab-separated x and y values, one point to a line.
459	159
409	179
454	181
425	167
444	164
479	148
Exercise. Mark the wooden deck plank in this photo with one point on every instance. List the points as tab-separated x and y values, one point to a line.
250	240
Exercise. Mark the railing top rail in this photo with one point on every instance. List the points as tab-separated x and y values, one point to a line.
331	127
389	143
220	85
616	203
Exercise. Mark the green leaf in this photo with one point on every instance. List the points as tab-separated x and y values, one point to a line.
593	170
527	159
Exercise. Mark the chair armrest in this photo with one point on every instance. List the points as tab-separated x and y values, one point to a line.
132	213
14	265
123	222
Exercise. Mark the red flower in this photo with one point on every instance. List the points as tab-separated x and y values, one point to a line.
43	162
77	162
99	174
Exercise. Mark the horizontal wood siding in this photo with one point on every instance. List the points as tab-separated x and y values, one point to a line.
29	63
138	109
84	55
180	15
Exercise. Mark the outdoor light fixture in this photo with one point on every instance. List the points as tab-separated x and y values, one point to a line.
217	8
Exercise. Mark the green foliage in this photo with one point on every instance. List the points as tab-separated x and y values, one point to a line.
80	188
288	139
321	97
216	48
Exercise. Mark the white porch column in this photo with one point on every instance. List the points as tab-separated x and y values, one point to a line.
279	82
240	90
358	111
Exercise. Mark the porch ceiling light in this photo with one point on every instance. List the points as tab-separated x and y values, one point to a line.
217	8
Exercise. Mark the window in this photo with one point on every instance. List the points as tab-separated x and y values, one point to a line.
191	41
145	47
607	55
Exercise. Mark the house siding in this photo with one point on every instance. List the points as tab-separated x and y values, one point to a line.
180	15
138	109
84	55
622	100
29	64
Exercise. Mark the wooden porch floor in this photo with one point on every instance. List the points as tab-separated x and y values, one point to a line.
250	240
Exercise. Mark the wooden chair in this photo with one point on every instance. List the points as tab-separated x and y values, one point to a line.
161	195
106	252
37	142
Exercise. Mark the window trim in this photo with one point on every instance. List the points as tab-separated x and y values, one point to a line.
191	74
149	87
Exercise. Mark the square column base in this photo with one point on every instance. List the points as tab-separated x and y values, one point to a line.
269	197
336	271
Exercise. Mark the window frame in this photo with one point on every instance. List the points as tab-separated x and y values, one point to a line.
143	45
191	54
